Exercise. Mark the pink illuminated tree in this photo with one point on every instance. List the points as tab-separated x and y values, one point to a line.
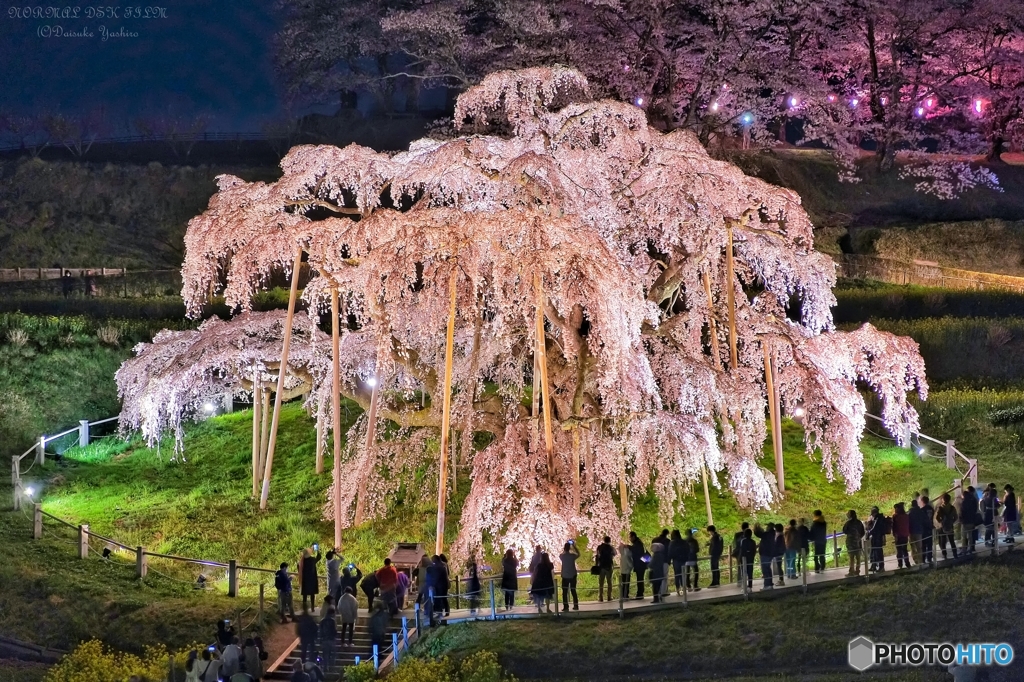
567	229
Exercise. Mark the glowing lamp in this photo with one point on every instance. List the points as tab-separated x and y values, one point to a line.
831	98
639	101
978	104
854	102
920	451
929	102
626	67
714	106
209	407
885	100
747	118
798	412
371	382
793	101
30	491
920	111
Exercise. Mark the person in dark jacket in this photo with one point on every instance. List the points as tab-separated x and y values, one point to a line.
509	578
804	550
990	506
917	521
570	574
379	625
637	550
692	570
928	522
308	577
766	548
969	518
369	588
716	547
678	552
819	538
791	536
348	579
604	557
853	529
441	582
780	553
1010	513
307	630
875	529
747	553
283	585
945	522
472	586
901	534
735	550
542	586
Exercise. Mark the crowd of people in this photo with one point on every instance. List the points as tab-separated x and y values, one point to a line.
228	659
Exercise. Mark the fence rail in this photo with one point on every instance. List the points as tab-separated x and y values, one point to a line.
35	274
923	273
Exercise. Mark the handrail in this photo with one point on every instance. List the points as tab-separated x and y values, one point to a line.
110	541
47	439
58	519
202	562
103	421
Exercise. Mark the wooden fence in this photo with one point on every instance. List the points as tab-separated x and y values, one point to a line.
924	273
28	274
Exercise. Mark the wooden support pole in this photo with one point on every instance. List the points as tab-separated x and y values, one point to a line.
141	566
336	410
446	418
83	541
730	290
319	446
264	430
712	323
257	399
371	437
707	495
281	373
545	386
780	466
535	396
769	381
623	492
37	521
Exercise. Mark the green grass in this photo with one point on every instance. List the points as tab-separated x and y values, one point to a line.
791	632
860	300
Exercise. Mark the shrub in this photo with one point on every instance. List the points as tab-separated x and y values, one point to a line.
17	337
424	670
483	666
862	301
109	335
93	662
363	672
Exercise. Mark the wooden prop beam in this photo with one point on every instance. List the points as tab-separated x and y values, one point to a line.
257	400
264	431
707	496
336	411
713	324
285	347
576	467
319	446
780	467
371	437
623	492
446	419
730	290
545	386
769	381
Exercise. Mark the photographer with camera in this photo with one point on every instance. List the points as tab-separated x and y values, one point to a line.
568	557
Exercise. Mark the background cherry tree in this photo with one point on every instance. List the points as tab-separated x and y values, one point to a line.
617	234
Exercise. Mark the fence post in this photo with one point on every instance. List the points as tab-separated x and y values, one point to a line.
229	402
493	607
621	595
416	615
904	437
950	455
233	578
16	481
37	521
958	486
394	646
974	472
376	658
803	574
262	587
557	602
41	450
140	563
83	432
685	590
405	632
83	541
835	550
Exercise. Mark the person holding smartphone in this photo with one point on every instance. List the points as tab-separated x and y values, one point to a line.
308	579
569	575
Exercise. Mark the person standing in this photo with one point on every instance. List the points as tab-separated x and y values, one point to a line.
369	588
734	550
350	579
766	548
402	588
854	531
945	522
379	626
308	579
387	583
678	555
306	629
472	586
334	561
208	668
791	536
442	580
569	575
625	571
901	534
640	559
876	532
819	538
990	514
747	553
231	659
283	585
928	522
542	586
509	578
692	570
657	571
538	554
1011	515
917	521
716	547
969	518
604	557
780	553
804	533
252	660
348	607
328	631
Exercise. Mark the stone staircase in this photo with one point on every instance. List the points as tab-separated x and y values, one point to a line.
344	655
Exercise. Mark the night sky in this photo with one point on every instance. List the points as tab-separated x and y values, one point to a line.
204	58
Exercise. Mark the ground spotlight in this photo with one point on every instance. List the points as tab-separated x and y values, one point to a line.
371	382
209	407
